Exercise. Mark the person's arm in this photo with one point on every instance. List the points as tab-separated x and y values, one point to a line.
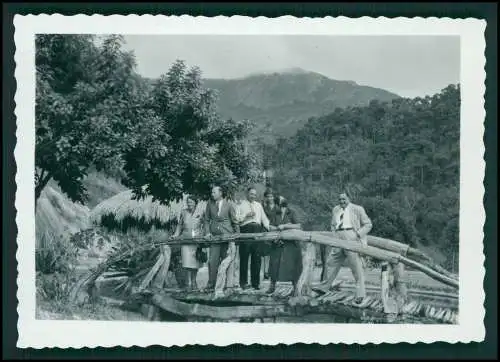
234	218
178	228
333	223
365	222
264	218
206	220
293	224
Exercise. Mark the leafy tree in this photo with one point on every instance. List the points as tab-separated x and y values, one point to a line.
87	99
185	146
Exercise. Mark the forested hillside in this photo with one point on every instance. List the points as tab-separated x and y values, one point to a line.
399	159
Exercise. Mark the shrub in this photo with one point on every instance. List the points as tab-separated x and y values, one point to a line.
55	288
56	255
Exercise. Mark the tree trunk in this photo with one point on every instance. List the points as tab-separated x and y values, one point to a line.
40	185
193	309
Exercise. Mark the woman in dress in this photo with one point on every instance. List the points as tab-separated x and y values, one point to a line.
190	226
285	262
271	209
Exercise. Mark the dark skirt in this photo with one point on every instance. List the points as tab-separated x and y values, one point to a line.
285	262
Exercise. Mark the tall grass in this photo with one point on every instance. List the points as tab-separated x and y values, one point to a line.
55	265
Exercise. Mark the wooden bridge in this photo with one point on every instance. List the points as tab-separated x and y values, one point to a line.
389	302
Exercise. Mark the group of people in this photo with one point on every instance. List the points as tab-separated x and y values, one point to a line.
222	217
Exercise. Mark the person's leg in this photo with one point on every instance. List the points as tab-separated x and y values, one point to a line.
189	282
358	273
244	255
255	264
213	265
323	250
226	258
333	263
265	262
194	274
274	265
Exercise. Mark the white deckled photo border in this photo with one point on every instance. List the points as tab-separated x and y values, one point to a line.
77	333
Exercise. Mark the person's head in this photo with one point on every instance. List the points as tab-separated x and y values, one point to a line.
283	202
344	199
217	193
251	194
191	202
269	197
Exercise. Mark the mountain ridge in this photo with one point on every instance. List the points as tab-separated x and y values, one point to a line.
282	102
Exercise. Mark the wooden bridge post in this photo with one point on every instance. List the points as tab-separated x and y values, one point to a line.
161	276
233	270
387	289
308	251
393	287
401	290
224	269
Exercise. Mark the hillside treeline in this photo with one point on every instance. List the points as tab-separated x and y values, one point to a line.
398	159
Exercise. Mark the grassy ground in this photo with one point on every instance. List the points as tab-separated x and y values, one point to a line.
98	311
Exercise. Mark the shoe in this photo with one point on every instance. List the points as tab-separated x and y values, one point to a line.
266	276
271	290
209	288
245	286
358	300
335	287
256	287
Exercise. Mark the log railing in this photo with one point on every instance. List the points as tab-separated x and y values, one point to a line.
394	256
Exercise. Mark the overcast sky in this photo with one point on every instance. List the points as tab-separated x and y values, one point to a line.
406	65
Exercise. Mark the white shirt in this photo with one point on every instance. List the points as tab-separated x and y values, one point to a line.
346	221
260	216
219	206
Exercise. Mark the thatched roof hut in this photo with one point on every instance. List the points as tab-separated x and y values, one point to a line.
122	212
57	217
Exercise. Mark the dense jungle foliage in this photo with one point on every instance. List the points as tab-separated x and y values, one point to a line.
398	159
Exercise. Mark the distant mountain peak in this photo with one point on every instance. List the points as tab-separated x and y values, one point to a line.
291	70
295	70
283	100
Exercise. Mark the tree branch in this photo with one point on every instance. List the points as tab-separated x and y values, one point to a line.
43	181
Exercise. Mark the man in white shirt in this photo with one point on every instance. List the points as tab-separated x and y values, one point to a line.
253	219
349	222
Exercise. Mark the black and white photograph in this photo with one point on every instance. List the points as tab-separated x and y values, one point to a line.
191	180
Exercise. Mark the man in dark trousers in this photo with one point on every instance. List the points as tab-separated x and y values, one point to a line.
254	221
220	219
